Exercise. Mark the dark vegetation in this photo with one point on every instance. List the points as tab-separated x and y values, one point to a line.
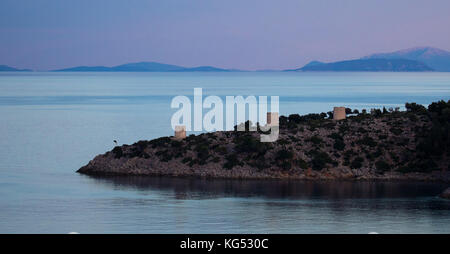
384	140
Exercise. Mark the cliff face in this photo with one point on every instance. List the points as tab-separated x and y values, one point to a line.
381	145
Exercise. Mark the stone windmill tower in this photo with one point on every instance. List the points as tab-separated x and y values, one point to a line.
339	113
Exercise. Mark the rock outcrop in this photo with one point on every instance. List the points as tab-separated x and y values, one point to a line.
383	145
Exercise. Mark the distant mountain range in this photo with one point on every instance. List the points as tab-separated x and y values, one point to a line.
8	68
146	67
437	59
414	59
394	65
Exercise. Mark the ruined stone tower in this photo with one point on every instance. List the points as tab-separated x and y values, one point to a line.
339	113
180	132
272	119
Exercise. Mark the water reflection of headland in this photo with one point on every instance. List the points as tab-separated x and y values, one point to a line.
184	188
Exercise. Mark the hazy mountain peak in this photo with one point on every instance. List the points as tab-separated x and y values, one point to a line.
437	59
375	64
411	53
314	63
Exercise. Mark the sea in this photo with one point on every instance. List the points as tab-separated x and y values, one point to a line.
52	123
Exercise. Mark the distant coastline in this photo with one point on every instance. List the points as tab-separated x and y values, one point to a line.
369	65
144	67
419	59
9	68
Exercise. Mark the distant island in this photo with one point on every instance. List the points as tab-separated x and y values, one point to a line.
408	60
145	67
436	59
382	144
8	68
419	59
389	65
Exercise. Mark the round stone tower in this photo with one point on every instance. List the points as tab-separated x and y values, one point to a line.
339	113
273	119
180	132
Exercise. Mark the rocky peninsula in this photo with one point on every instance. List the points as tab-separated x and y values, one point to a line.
382	144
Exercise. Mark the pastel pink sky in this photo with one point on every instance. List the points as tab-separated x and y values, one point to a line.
244	34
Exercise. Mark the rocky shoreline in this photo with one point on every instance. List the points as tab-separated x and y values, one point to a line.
381	145
102	166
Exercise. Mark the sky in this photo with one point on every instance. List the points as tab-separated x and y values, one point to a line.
241	34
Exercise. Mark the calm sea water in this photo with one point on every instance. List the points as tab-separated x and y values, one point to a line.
53	123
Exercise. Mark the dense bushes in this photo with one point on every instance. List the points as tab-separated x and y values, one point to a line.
284	155
117	151
357	163
414	107
382	166
316	140
159	142
367	141
339	144
338	141
202	153
231	161
436	141
246	143
319	159
383	140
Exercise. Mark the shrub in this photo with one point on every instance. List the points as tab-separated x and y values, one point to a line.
164	155
284	155
176	144
396	131
247	143
302	164
282	141
414	107
368	141
344	128
283	121
231	161
138	151
294	118
382	166
362	130
335	135
117	151
330	114
329	125
320	159
315	140
221	150
159	142
202	152
357	162
382	136
339	144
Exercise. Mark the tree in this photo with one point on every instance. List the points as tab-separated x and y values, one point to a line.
414	107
